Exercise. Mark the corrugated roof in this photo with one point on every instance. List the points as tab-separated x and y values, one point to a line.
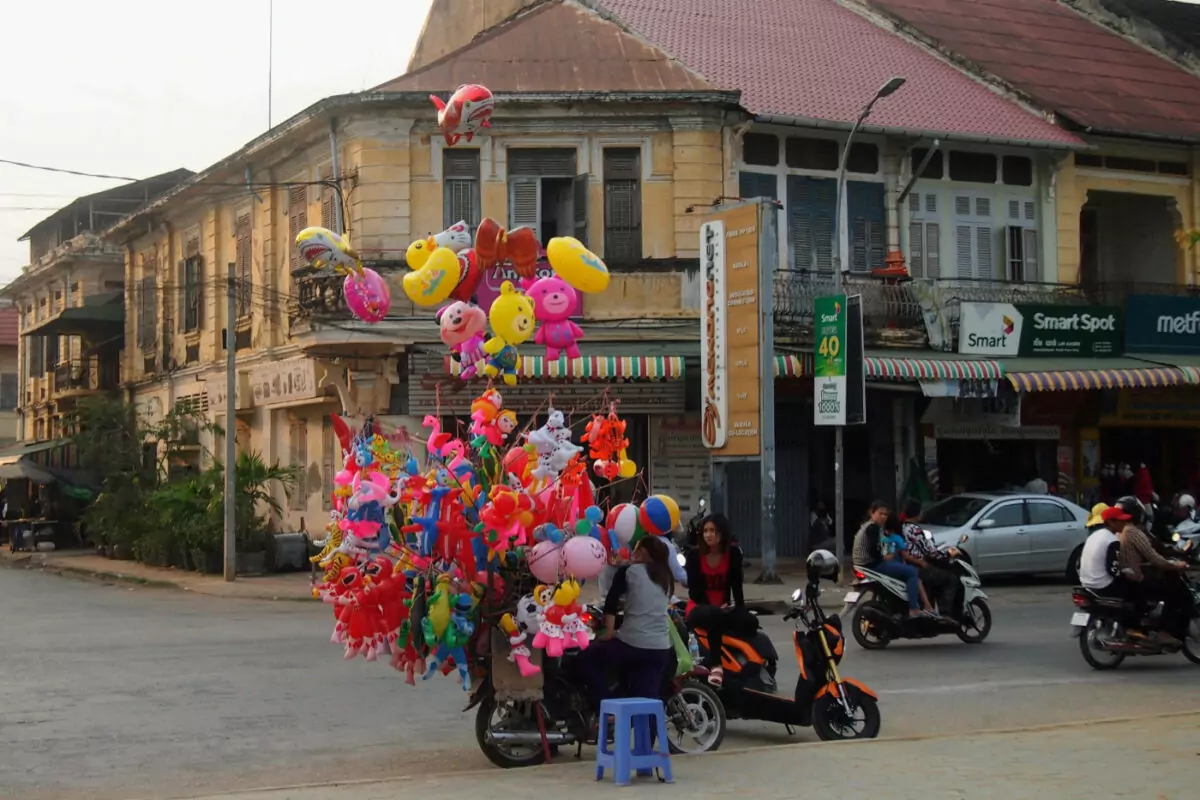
556	46
9	326
815	59
1065	62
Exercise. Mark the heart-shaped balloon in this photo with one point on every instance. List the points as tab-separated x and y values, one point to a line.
468	281
433	282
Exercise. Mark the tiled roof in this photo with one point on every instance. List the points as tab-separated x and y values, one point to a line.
555	47
1065	62
815	59
9	331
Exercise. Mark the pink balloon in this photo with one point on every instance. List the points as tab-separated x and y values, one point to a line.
584	557
544	561
367	295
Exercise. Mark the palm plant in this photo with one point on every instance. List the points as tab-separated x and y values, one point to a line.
255	480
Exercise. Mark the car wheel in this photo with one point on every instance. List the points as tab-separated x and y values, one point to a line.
1073	565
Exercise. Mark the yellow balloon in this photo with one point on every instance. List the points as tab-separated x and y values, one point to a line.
418	253
626	468
435	280
577	265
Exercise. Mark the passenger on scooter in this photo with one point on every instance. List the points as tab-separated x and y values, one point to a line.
895	543
1163	583
868	552
641	649
714	572
1099	564
934	565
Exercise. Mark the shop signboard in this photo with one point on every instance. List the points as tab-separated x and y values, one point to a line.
1160	324
1007	329
829	360
731	333
489	285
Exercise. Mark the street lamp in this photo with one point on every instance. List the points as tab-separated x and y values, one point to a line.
839	484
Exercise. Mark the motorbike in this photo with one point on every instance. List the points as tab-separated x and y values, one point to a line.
1110	629
836	707
522	731
879	605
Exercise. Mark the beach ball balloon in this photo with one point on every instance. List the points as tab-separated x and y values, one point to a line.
623	521
659	514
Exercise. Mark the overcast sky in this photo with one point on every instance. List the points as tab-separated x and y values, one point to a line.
135	88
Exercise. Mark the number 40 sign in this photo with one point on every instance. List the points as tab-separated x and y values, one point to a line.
829	362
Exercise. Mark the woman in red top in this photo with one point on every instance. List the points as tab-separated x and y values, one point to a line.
714	572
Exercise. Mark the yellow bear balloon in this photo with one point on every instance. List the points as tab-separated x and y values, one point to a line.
512	319
577	265
435	279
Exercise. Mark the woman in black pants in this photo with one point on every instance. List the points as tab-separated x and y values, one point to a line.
714	573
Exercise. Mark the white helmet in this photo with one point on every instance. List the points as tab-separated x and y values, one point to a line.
1186	501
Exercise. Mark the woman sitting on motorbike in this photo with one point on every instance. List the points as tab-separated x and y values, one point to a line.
871	550
714	572
641	649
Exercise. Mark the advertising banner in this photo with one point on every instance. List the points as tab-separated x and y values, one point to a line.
1005	329
829	360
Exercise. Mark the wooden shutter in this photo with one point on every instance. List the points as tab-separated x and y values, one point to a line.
244	264
297	221
460	187
525	204
974	231
868	231
148	333
298	452
542	162
924	235
811	204
757	184
330	452
328	202
622	206
579	208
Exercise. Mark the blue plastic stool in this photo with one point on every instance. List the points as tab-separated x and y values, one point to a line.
635	713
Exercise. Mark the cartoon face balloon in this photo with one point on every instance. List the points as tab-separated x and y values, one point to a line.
367	295
584	557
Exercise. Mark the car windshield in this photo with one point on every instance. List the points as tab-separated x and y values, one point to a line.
954	512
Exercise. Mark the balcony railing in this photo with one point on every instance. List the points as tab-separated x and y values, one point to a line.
87	375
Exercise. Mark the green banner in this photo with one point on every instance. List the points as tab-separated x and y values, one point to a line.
829	360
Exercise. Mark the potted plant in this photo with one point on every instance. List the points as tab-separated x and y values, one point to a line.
255	480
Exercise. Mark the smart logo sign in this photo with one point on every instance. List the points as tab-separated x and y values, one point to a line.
1157	324
1005	329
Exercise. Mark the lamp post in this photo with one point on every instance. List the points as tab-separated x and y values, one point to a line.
839	483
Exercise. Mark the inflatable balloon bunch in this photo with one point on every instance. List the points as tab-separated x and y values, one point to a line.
367	294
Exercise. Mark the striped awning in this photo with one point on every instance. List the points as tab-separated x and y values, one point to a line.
1070	380
932	369
595	368
791	366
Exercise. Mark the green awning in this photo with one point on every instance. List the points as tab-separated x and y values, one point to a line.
101	316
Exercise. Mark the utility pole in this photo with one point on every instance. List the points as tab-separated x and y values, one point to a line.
839	456
231	429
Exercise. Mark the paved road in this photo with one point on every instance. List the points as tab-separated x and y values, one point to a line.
109	691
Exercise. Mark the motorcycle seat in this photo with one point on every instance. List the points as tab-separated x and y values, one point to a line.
760	643
1107	601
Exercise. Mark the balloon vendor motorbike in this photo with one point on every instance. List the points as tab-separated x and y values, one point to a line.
879	605
836	707
523	728
1104	624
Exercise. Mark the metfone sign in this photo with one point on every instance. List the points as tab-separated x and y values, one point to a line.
1005	329
1157	324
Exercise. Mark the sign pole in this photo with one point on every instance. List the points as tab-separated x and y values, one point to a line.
768	260
231	429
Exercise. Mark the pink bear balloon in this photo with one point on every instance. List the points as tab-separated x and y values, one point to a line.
553	301
367	295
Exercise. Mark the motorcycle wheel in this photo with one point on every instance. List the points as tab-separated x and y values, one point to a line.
832	724
695	719
1191	645
504	756
1098	659
975	631
876	639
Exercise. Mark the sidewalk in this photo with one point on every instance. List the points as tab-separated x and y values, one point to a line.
1150	758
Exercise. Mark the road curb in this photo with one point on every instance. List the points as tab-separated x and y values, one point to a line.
719	754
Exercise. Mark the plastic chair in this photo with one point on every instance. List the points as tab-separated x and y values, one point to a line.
640	756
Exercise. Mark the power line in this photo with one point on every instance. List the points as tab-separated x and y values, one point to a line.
103	176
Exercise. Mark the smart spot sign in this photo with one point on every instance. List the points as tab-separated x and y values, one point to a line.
1007	329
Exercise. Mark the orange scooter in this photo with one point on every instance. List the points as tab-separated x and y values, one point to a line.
834	706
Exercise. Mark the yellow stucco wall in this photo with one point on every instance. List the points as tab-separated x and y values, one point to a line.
1072	187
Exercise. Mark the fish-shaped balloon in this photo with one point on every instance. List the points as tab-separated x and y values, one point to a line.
467	112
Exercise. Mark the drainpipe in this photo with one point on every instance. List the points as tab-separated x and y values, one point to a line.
894	261
339	223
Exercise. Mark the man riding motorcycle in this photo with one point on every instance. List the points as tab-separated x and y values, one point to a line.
1148	577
